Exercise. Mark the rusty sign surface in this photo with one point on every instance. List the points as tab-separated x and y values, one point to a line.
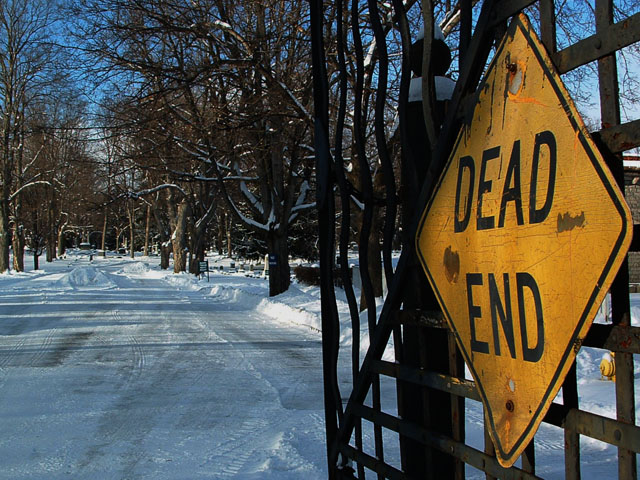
522	238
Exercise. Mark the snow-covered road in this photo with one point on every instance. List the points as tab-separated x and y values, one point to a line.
108	372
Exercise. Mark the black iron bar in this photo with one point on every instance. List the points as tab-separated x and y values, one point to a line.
389	182
617	338
326	215
345	204
366	186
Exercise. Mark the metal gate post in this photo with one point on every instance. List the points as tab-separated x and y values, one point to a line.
424	348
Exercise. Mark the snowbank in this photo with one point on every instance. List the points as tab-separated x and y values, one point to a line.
85	277
135	268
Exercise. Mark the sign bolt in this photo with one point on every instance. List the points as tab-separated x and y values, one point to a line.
510	406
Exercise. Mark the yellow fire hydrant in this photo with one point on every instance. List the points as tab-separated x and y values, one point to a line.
608	366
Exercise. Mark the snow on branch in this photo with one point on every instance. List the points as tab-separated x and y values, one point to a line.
28	185
251	197
249	221
34	159
300	206
295	100
207	215
154	190
357	202
231	31
186	176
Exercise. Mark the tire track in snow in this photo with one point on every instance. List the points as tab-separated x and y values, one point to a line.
8	355
64	347
136	365
139	359
43	349
23	354
240	445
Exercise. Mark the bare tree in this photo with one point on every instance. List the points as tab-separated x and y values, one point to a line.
25	61
234	77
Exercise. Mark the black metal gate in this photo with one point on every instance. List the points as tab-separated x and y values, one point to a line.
374	179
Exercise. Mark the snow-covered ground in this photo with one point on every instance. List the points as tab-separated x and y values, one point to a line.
113	369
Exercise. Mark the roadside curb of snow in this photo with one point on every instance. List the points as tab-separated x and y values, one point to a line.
295	315
271	306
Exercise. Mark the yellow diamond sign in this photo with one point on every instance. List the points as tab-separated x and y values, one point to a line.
522	238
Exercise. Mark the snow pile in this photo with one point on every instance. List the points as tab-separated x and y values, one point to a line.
247	295
85	277
295	305
296	315
135	268
182	280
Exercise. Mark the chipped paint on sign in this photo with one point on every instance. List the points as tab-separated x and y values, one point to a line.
451	265
522	238
568	222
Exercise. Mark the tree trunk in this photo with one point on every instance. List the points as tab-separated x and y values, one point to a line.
279	273
165	252
18	229
228	228
193	263
179	239
36	240
4	235
104	235
146	232
117	240
18	248
131	215
51	234
61	243
163	232
51	246
61	239
221	234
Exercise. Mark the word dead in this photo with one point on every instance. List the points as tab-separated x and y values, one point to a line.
512	187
